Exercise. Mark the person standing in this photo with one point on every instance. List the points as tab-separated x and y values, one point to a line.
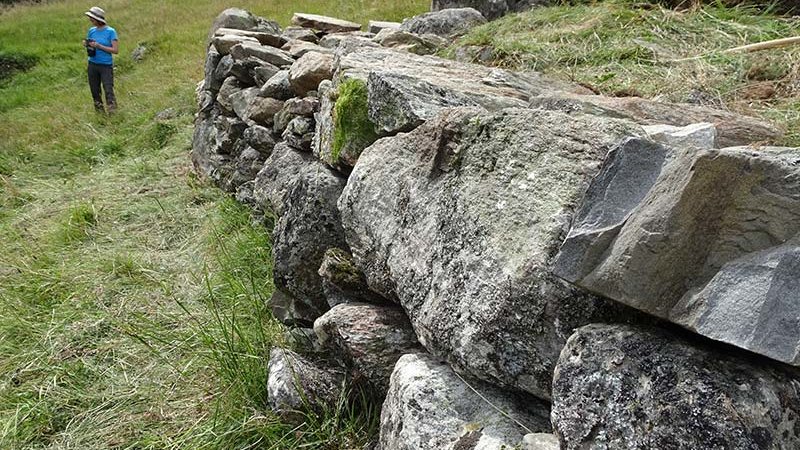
101	43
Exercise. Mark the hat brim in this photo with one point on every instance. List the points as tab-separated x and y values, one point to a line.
95	17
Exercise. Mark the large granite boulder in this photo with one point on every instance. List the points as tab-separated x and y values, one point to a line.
240	19
430	407
708	239
459	221
394	91
303	194
324	24
619	387
369	338
732	129
447	22
296	384
266	53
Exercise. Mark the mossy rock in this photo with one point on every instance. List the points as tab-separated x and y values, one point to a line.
353	131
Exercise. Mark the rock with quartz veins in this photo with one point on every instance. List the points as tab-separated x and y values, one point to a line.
622	387
430	407
705	238
370	338
459	219
446	23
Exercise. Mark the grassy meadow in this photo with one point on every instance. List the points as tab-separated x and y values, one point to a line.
630	47
132	294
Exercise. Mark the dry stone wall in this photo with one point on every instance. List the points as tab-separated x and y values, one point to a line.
474	245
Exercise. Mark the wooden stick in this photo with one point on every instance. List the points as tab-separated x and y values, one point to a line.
775	43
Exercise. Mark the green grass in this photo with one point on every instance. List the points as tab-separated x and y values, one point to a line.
622	47
133	295
352	127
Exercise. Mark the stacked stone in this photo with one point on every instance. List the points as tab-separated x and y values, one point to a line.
484	224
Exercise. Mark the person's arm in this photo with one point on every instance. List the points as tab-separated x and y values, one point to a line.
113	49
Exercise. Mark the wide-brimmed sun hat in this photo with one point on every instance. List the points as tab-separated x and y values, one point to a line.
97	13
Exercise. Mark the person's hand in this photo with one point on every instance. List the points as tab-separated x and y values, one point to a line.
83	42
93	44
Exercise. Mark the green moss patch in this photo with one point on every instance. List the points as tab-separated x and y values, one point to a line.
352	129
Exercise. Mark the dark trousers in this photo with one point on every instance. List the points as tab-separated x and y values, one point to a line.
102	75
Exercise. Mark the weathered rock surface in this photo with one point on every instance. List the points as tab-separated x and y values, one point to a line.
295	107
299	34
308	71
302	192
447	22
732	129
429	407
336	41
223	44
375	26
618	387
406	89
272	55
540	441
459	221
260	138
698	135
240	19
342	281
299	133
299	48
324	23
295	384
277	86
262	110
264	38
491	9
229	88
240	101
427	44
263	73
370	338
708	239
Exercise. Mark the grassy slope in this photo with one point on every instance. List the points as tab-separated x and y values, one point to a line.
120	273
625	47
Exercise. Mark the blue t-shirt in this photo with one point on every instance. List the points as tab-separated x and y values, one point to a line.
104	36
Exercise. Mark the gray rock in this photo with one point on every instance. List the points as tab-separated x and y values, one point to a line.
628	388
234	18
342	281
224	44
732	129
263	73
295	107
351	39
430	407
138	54
491	9
459	220
272	55
229	131
204	145
245	70
708	239
299	133
221	72
302	193
262	110
427	44
241	101
370	338
447	22
277	86
698	135
375	26
228	89
245	167
211	82
540	441
406	89
324	24
260	138
308	71
297	49
296	384
299	34
264	38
